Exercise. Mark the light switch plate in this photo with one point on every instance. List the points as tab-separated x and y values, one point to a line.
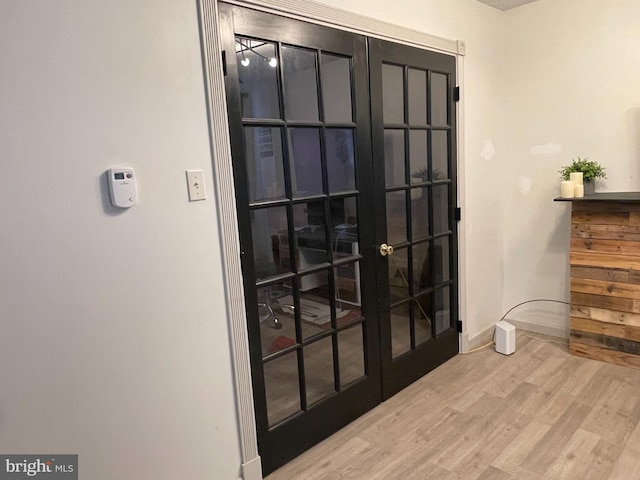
195	185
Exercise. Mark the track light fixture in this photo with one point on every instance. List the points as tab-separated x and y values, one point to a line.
245	61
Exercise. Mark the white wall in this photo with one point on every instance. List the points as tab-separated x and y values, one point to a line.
572	89
113	333
481	242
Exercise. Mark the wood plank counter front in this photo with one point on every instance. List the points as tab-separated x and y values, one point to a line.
605	278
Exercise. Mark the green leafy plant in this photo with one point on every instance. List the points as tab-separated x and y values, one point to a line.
590	169
422	174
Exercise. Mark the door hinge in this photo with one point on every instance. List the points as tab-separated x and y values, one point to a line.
224	63
458	214
456	94
459	326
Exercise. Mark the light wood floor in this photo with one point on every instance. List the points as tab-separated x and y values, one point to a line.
537	414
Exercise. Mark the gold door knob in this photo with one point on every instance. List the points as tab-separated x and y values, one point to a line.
386	250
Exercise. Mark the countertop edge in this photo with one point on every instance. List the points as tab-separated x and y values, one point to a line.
604	197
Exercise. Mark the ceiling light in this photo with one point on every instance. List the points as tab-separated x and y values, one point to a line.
241	47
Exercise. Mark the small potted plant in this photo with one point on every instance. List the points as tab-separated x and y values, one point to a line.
590	171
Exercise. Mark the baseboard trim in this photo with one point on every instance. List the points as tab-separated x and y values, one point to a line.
551	330
479	340
484	337
252	470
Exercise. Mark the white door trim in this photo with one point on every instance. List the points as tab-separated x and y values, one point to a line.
229	235
321	14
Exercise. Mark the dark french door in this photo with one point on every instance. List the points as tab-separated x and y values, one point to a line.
414	149
338	147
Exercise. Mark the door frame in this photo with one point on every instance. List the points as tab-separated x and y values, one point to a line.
213	69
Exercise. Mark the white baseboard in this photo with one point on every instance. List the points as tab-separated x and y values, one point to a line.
479	340
486	335
252	470
551	330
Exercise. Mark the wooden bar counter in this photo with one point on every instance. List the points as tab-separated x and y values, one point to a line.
605	277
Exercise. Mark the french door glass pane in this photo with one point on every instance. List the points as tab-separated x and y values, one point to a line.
300	84
315	307
442	309
348	293
318	367
306	161
439	99
281	387
340	159
344	219
276	314
421	268
440	209
440	153
400	329
351	355
417	89
265	171
441	259
399	275
418	156
394	165
396	217
419	213
336	88
258	80
422	317
392	94
270	252
310	234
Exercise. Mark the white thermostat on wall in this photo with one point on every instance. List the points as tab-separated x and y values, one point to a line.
122	187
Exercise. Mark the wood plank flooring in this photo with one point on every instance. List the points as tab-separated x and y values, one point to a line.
537	414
